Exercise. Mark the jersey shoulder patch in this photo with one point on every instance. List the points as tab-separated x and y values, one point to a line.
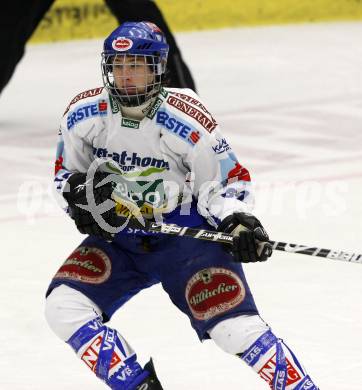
190	106
84	95
173	122
95	104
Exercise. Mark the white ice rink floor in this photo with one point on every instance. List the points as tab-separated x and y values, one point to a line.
289	100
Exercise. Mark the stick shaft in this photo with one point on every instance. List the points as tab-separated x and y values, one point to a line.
319	252
225	238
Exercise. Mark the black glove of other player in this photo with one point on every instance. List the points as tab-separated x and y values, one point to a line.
84	219
251	241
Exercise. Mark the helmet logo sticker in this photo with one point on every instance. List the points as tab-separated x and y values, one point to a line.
122	44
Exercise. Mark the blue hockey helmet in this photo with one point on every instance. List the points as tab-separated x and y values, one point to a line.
138	47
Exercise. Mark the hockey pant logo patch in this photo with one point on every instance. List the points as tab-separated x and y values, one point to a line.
213	291
86	264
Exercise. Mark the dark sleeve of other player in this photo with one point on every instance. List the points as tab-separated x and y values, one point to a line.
145	10
18	21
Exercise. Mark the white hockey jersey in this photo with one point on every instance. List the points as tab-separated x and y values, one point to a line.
176	158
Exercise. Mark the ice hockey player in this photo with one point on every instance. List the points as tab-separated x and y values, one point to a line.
135	150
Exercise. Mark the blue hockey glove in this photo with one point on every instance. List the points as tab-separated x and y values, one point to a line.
251	241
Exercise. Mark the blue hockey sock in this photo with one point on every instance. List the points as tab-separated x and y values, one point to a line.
108	355
276	364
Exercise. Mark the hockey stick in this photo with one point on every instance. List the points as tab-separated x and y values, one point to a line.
225	238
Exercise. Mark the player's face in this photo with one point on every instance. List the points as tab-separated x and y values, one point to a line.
132	74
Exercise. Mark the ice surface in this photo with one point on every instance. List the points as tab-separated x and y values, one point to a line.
289	100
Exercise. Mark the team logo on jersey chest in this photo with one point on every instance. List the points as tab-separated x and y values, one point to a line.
86	264
213	291
129	161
